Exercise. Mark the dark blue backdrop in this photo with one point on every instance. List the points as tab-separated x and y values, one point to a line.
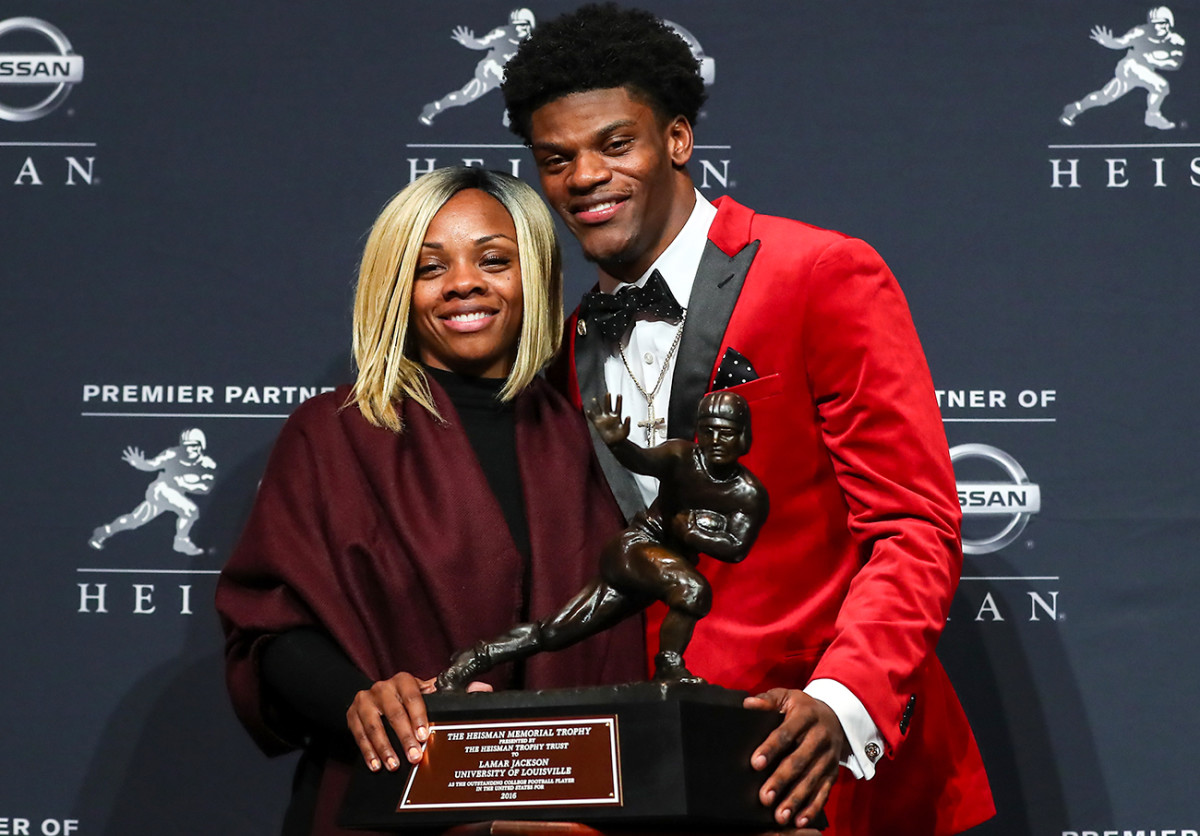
180	243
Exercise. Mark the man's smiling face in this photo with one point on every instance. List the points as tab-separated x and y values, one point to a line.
614	173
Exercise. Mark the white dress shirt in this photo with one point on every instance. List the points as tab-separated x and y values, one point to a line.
646	350
650	340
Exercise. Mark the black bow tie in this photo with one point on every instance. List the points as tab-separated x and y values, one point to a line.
612	313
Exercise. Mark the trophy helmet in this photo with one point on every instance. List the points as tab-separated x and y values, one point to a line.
727	406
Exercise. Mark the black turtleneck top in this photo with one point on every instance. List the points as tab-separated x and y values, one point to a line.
491	428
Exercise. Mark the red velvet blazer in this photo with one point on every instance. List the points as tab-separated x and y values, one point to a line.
852	576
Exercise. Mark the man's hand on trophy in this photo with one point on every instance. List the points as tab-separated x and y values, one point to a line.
805	751
607	420
400	700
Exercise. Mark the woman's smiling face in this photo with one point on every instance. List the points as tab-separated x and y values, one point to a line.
467	297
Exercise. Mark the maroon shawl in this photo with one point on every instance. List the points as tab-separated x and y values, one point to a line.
395	545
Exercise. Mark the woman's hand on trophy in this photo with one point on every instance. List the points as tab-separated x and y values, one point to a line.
401	701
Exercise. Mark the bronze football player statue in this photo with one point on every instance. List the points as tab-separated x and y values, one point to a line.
707	503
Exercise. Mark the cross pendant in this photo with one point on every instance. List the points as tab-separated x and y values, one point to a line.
652	426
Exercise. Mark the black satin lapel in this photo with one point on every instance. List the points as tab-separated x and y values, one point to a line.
589	369
718	284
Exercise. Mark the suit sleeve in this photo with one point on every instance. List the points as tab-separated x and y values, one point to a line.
884	433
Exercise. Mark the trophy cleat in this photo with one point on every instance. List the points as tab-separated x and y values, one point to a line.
463	668
670	670
520	642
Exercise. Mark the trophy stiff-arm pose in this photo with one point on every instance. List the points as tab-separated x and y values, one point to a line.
707	503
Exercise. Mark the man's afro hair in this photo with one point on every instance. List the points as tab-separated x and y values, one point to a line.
601	46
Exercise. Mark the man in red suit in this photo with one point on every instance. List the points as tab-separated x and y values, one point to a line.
834	615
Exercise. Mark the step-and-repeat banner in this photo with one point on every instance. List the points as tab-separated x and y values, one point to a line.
185	190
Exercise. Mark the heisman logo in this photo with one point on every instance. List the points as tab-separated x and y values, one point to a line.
502	44
182	470
708	66
61	68
1150	49
1016	498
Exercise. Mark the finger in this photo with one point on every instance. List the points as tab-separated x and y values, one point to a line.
477	687
365	719
801	781
808	795
783	738
766	701
362	739
620	402
407	716
384	706
779	746
789	792
374	726
817	804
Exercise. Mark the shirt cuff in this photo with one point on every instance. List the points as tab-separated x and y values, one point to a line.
866	743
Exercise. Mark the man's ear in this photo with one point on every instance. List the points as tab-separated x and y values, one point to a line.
679	140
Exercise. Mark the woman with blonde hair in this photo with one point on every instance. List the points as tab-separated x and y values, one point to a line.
449	493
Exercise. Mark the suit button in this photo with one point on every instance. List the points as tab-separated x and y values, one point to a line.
581	328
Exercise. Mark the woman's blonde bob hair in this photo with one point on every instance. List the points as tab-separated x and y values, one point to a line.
384	349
